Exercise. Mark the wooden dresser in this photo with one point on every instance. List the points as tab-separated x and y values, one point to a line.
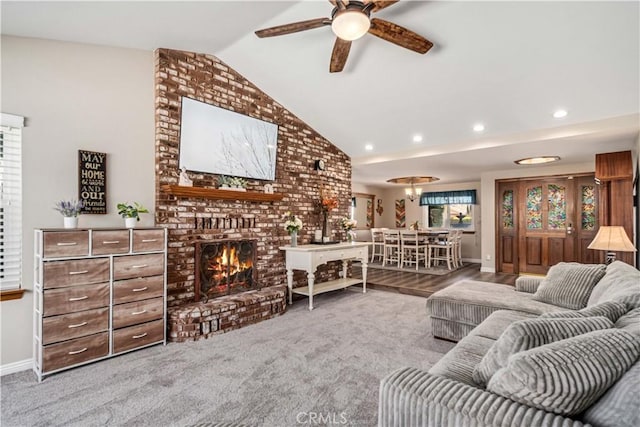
97	293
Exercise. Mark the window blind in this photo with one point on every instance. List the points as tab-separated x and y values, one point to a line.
448	198
10	201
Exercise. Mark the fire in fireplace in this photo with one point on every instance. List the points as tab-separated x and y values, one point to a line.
224	267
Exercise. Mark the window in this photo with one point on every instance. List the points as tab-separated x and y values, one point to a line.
10	206
449	209
449	216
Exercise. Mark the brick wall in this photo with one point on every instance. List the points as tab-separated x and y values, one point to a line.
207	79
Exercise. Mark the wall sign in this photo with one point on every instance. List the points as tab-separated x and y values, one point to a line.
92	181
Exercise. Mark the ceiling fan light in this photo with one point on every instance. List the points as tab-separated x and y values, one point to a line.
350	24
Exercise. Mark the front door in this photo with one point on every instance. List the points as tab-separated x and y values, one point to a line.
550	220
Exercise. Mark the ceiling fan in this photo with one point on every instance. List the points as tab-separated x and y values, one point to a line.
351	20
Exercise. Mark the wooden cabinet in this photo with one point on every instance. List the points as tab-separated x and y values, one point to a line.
97	293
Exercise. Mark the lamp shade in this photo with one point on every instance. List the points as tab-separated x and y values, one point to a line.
612	238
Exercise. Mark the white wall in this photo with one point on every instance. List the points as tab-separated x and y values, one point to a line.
74	96
488	188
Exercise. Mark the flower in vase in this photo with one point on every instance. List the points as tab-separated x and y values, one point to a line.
328	201
348	224
292	223
69	208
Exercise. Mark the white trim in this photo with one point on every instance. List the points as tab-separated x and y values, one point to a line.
487	270
472	260
12	368
11	120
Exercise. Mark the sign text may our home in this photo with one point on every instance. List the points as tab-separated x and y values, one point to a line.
92	181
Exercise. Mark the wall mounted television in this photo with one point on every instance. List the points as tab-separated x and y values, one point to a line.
219	141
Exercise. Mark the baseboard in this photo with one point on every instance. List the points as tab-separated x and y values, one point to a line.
12	368
487	270
472	260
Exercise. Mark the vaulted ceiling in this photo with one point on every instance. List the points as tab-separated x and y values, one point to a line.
507	65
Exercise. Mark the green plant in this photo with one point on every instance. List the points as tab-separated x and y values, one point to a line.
238	182
224	180
126	210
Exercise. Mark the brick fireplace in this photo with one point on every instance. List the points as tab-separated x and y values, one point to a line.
196	221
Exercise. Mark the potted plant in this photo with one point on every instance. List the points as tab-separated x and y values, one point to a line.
238	184
348	225
131	213
224	181
292	224
70	209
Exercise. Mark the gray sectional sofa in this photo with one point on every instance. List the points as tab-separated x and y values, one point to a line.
562	350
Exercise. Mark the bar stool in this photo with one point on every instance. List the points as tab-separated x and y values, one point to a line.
391	247
413	250
377	239
442	250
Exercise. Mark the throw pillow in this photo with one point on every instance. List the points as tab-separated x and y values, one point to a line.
612	310
527	334
569	284
620	283
566	377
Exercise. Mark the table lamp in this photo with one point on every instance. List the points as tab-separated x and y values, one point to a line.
612	238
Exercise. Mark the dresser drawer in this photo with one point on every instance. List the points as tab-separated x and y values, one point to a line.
138	289
128	267
148	240
56	356
110	242
138	336
133	313
76	298
66	243
59	274
75	325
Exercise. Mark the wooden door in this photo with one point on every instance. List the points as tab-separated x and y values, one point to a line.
541	222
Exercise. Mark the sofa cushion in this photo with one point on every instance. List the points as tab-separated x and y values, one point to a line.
566	377
630	322
612	310
619	406
470	302
620	283
569	284
459	362
526	334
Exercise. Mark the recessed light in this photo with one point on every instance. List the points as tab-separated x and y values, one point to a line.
368	147
558	114
417	138
537	160
478	127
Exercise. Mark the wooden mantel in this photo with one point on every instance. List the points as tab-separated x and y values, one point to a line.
212	193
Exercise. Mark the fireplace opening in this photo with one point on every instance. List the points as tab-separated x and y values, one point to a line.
224	267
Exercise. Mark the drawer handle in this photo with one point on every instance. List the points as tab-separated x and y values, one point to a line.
140	289
67	243
135	313
73	273
78	351
110	242
78	298
77	325
135	337
140	266
149	240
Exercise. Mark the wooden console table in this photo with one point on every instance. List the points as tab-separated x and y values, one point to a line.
309	257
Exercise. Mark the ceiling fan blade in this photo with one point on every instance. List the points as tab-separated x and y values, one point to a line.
382	4
399	35
293	27
339	55
340	4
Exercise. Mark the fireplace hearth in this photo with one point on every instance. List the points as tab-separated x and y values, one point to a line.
225	267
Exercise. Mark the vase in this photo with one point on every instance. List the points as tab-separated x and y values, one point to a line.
70	222
294	238
130	222
351	236
326	232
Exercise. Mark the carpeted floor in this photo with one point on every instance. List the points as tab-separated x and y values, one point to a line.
282	372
